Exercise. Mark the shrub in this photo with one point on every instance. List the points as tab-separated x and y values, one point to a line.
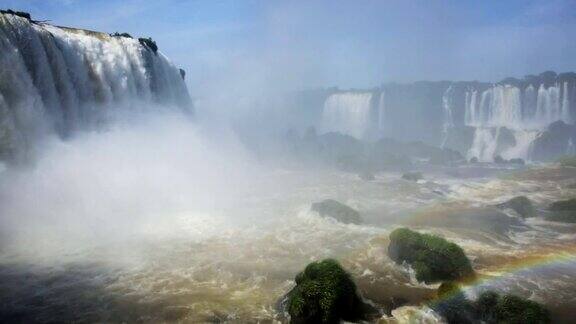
493	308
17	13
432	257
149	43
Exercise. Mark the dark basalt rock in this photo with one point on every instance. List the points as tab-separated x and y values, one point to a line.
338	211
182	73
518	161
149	43
453	305
499	159
553	143
325	293
473	160
413	176
521	205
562	211
432	257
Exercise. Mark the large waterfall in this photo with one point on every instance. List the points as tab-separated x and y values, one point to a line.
349	113
59	80
524	111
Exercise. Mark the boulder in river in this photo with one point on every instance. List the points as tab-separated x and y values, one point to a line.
494	308
562	211
338	211
521	205
432	257
413	176
325	293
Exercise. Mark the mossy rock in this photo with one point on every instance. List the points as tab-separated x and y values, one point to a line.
567	161
117	34
452	304
521	205
413	176
510	309
22	14
325	293
562	211
432	257
338	211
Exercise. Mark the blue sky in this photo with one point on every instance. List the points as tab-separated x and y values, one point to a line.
235	45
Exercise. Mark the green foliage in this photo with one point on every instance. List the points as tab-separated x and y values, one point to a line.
510	309
149	43
324	293
17	13
117	34
432	257
452	304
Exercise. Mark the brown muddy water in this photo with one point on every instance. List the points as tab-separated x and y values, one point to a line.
234	264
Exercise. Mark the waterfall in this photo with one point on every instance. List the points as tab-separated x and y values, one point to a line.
447	106
382	114
525	111
348	113
59	80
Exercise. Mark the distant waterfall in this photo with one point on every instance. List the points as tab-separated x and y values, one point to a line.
56	79
382	114
525	111
447	106
348	113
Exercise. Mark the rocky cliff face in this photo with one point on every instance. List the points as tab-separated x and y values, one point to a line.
513	118
59	80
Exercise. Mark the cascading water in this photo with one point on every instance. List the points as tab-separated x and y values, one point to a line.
348	113
447	106
56	79
382	114
525	111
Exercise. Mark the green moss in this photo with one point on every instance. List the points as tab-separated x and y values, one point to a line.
324	293
432	258
510	309
452	304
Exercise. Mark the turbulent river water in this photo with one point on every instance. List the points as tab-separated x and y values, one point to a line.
235	263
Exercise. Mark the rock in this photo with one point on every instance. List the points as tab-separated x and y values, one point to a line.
453	305
554	142
562	211
567	161
182	73
493	308
149	43
518	161
412	176
504	139
338	211
366	176
325	293
473	160
432	257
459	138
521	205
499	160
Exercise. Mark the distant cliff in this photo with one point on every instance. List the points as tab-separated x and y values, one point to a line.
513	118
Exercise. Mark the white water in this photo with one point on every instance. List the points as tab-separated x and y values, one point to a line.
348	113
447	106
524	111
60	80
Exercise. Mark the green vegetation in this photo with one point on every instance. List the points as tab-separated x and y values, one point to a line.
510	309
338	211
567	161
149	43
452	304
324	293
432	257
521	205
117	34
17	13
